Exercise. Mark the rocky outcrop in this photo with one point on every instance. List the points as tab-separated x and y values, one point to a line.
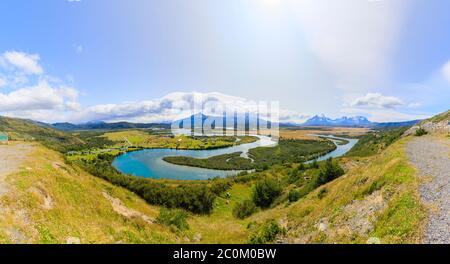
430	127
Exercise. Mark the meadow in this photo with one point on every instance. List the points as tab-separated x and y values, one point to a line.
284	201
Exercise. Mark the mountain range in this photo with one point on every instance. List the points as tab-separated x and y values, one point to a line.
106	126
343	121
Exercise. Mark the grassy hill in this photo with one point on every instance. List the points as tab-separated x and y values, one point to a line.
377	199
439	118
52	200
27	130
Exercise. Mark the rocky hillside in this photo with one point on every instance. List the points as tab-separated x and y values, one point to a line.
436	124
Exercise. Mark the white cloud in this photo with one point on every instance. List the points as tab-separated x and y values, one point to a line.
27	63
385	115
446	71
352	38
2	82
174	106
40	97
377	100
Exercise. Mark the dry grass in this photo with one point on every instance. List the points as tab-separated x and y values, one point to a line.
306	132
51	201
379	200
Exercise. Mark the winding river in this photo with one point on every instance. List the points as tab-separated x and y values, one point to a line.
148	163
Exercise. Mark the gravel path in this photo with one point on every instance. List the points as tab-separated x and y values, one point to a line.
431	156
11	156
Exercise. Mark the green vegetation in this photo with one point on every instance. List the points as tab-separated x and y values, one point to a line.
230	161
338	141
374	142
265	192
145	139
291	151
420	132
26	130
318	175
438	118
331	171
244	209
174	218
266	232
379	195
294	195
196	198
287	151
57	201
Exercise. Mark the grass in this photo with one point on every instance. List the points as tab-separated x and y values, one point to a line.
144	139
26	130
78	207
287	151
375	142
439	118
398	218
231	161
383	180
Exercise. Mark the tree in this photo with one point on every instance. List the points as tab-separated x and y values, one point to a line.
329	172
244	209
265	192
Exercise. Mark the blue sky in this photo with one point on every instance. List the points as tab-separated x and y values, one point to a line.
114	60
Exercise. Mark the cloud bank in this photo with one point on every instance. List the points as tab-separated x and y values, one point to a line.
377	100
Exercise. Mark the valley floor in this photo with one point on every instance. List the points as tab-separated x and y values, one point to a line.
431	156
378	200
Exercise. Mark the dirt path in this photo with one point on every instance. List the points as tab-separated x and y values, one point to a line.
431	156
11	156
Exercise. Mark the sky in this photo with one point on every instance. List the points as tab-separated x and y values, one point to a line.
114	60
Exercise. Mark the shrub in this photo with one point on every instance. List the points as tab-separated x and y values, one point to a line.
330	172
265	192
420	132
174	218
322	193
314	165
266	233
218	187
294	195
196	198
244	209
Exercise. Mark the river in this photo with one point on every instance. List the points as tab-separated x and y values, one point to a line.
149	163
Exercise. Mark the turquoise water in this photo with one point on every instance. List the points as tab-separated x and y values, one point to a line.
340	149
148	163
3	137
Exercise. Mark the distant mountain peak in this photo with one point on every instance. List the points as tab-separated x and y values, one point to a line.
323	120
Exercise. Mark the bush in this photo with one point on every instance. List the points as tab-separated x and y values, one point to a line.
218	187
266	233
265	192
420	132
196	198
322	193
294	195
244	209
174	218
330	172
314	165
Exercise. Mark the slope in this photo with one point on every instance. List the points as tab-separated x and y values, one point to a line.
49	201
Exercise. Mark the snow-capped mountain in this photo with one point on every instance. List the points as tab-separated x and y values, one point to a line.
343	121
